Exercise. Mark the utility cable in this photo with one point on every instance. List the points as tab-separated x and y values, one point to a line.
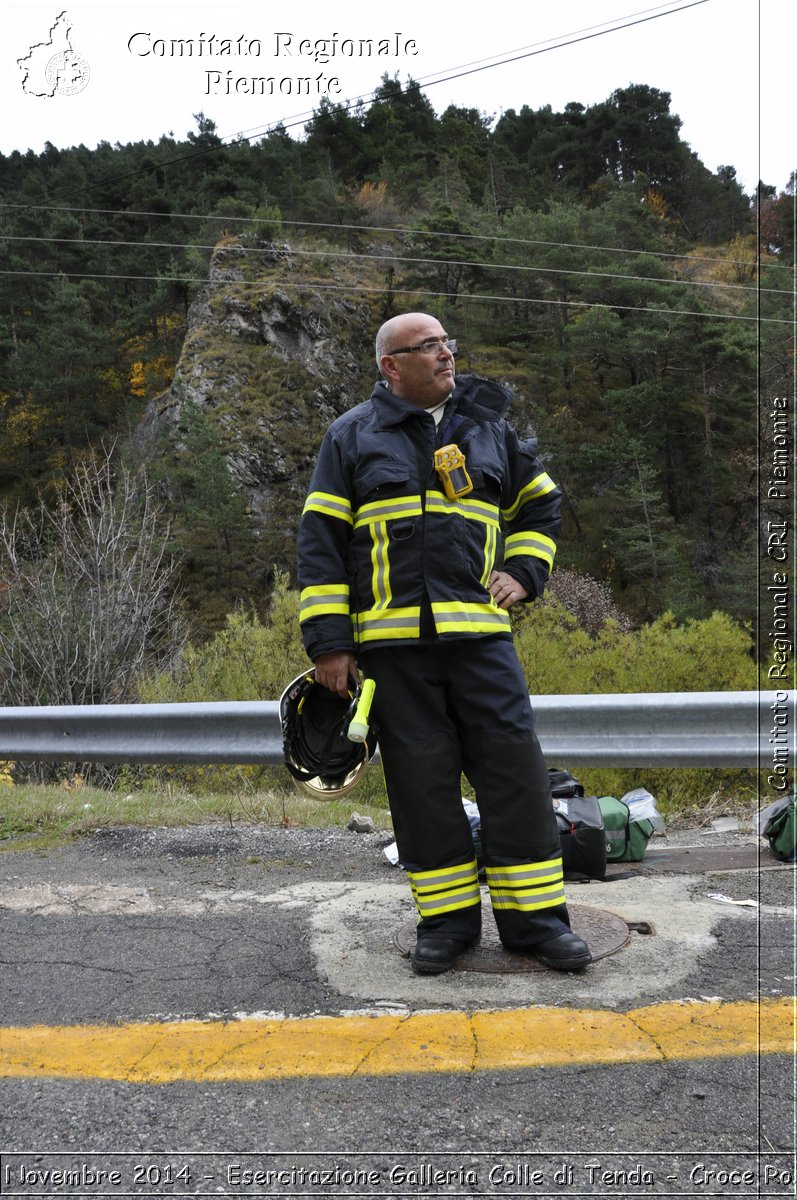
482	64
390	229
349	255
350	103
363	290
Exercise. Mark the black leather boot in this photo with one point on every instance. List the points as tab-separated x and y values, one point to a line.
434	955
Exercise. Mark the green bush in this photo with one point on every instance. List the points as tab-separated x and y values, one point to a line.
561	658
712	654
248	659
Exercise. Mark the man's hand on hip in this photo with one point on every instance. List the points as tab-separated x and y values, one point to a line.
506	590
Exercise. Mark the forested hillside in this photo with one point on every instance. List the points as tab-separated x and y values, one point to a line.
634	298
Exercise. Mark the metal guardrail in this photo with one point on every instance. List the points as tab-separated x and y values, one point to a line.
663	729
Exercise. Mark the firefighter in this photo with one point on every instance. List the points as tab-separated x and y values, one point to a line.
426	520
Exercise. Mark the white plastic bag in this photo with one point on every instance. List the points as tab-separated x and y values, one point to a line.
642	807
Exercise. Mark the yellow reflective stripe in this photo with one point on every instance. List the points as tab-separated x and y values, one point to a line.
535	544
445	889
380	565
460	617
328	505
539	486
527	886
490	545
457	898
323	599
378	624
551	868
438	876
527	902
472	510
388	510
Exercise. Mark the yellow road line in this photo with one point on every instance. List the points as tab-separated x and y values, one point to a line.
252	1049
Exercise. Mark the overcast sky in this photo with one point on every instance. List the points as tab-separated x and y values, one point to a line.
733	89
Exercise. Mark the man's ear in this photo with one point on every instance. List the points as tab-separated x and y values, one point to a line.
388	368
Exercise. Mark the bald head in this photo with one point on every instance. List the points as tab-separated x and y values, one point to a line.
415	359
399	331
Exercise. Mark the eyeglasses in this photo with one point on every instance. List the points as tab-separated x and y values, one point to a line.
430	346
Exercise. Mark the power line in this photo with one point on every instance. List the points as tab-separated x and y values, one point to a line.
364	290
392	229
486	64
459	73
572	41
488	265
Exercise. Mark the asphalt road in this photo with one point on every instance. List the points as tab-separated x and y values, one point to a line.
258	928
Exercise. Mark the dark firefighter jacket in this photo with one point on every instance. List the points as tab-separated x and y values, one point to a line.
385	557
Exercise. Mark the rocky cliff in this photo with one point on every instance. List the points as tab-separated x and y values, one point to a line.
272	355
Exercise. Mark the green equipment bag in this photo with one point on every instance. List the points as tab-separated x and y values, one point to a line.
626	839
781	829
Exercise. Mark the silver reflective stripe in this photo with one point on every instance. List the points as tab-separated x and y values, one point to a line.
490	543
537	898
456	898
323	599
445	889
430	879
386	510
471	510
518	541
380	540
527	885
510	875
324	503
477	618
377	623
538	487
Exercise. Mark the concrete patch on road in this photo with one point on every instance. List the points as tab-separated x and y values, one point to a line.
353	930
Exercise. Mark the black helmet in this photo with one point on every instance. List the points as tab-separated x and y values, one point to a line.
318	754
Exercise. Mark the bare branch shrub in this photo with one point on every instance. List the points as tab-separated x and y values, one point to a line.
87	592
588	600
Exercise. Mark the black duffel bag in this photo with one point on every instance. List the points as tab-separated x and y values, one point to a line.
581	832
580	822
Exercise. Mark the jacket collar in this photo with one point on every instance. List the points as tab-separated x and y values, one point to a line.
482	398
391	409
474	395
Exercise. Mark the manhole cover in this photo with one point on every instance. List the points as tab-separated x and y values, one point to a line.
604	932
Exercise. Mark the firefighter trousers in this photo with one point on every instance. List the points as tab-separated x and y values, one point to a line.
442	710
